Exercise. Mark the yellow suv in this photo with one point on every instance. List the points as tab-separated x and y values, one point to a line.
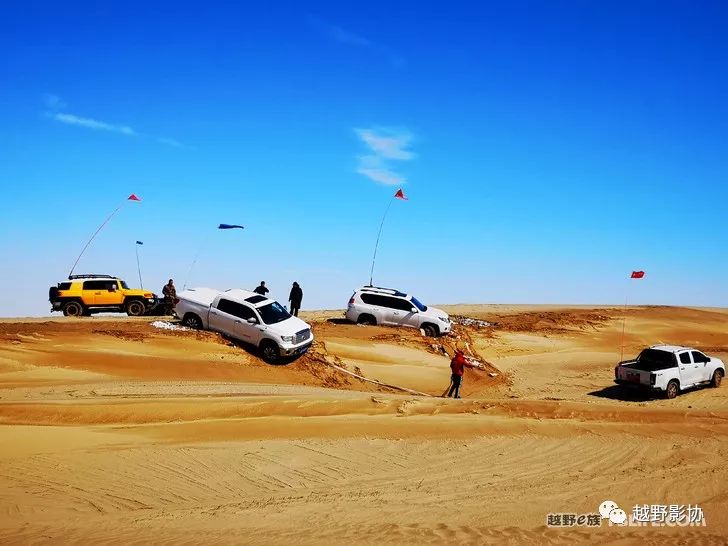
84	294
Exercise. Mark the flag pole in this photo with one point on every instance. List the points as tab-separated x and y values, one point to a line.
194	260
624	322
204	244
132	197
376	245
139	269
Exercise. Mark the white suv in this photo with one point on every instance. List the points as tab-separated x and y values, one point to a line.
374	305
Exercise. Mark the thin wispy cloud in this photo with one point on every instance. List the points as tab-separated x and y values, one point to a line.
89	123
347	37
385	146
339	34
55	109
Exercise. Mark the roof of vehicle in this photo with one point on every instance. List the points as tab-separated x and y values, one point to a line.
94	276
246	296
207	295
671	348
380	290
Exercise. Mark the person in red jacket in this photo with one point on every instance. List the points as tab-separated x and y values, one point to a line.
458	365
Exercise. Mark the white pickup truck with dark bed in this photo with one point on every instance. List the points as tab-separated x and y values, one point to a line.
670	369
247	317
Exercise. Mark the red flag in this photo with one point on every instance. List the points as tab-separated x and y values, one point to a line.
133	197
637	274
400	195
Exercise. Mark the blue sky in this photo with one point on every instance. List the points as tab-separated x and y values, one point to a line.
548	148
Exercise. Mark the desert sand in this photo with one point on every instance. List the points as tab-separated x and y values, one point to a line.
113	430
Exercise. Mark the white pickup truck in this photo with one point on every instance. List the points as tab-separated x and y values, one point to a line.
670	369
248	317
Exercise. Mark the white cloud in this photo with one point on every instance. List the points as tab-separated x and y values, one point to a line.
390	145
344	36
339	34
385	146
53	102
89	123
54	105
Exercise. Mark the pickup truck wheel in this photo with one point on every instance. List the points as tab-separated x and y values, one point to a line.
717	379
135	308
192	321
366	319
270	351
430	330
672	390
73	309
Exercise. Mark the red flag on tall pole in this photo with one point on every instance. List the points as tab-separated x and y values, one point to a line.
132	197
398	195
634	275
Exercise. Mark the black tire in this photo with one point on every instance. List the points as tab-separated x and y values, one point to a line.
270	351
192	321
366	319
135	308
430	330
73	309
717	379
673	388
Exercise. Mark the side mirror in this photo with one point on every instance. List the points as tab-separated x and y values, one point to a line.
252	320
413	310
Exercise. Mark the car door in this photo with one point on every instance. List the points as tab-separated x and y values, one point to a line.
389	310
404	315
221	318
101	293
687	369
702	370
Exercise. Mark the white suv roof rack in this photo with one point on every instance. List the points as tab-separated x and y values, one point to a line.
380	290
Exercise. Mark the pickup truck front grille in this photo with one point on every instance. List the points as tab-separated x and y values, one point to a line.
303	335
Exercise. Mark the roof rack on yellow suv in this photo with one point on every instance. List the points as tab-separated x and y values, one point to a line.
94	293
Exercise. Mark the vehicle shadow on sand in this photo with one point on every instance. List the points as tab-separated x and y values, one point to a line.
623	394
252	350
338	321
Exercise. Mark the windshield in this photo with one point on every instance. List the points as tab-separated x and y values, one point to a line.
651	360
419	305
124	285
273	313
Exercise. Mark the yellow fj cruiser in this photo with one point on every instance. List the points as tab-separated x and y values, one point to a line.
86	294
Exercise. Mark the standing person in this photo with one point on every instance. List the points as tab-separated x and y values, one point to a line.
262	290
458	365
296	297
170	297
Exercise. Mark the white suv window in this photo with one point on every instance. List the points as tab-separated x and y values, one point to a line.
685	358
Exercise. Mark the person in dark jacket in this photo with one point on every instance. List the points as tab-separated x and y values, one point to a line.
262	290
170	297
457	366
295	298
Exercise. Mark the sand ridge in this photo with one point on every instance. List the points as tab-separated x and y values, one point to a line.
118	432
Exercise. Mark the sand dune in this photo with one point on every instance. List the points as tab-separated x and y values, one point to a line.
114	431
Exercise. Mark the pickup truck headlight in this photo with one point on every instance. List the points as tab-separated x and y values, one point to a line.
288	339
446	320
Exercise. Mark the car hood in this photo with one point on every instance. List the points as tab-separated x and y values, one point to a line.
434	312
288	327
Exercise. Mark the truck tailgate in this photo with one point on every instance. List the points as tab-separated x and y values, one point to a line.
631	375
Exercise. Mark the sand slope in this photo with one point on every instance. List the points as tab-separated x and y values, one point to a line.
113	431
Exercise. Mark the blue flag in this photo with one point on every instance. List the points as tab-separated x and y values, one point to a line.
229	226
139	243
